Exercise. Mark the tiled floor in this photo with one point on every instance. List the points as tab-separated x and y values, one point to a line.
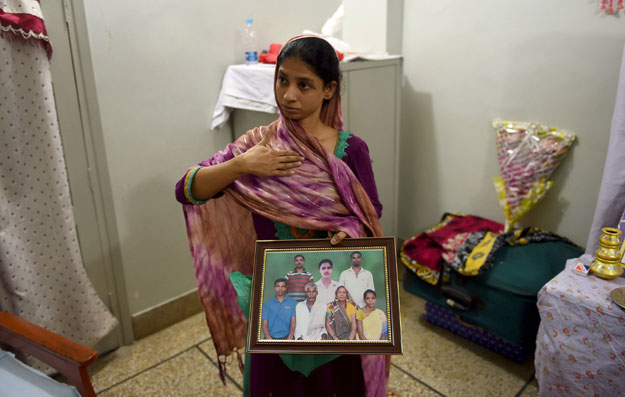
181	361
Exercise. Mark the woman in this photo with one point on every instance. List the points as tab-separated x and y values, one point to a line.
299	177
371	322
341	319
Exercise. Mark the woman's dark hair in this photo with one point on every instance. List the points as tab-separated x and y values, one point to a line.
318	54
369	291
336	292
328	261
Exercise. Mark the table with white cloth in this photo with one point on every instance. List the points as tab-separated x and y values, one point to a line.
580	346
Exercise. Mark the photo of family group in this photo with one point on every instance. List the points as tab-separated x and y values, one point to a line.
308	297
332	298
311	297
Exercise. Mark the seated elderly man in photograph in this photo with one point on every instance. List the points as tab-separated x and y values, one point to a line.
357	280
310	316
278	318
297	278
326	286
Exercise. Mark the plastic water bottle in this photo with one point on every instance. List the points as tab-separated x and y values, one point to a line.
249	42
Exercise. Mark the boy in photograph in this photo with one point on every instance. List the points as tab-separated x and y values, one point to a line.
278	318
326	286
297	279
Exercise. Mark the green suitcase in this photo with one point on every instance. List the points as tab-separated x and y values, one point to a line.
502	300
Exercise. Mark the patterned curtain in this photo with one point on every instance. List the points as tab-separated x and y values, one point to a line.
611	199
42	278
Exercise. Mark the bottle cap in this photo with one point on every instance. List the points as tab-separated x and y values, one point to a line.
249	20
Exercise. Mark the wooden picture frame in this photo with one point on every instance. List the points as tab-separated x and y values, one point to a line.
275	258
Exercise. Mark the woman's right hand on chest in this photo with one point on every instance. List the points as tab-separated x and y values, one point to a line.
261	160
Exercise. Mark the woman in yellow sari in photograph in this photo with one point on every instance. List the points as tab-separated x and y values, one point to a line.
371	322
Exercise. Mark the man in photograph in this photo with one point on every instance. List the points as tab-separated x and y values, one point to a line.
357	279
278	318
310	316
326	286
298	278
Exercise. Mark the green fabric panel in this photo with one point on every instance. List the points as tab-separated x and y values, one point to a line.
246	375
305	363
243	286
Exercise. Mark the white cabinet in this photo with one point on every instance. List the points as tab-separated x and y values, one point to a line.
370	96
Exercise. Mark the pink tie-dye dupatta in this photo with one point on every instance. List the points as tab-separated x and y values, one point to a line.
323	194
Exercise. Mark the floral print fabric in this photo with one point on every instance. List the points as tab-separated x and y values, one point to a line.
580	347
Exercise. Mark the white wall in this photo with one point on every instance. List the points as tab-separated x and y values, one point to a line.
158	67
467	62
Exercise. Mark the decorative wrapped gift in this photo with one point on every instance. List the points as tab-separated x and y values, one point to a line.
528	153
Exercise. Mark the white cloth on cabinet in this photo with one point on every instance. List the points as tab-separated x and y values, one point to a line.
247	87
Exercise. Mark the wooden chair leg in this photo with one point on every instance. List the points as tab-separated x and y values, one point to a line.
80	378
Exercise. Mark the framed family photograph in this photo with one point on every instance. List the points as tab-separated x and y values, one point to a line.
311	297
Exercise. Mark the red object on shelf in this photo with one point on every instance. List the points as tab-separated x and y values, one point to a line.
271	57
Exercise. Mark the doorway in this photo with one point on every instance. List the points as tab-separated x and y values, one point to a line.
85	158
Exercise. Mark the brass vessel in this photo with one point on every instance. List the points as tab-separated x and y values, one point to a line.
607	263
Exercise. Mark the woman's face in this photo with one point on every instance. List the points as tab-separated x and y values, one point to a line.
341	294
326	270
370	300
300	91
